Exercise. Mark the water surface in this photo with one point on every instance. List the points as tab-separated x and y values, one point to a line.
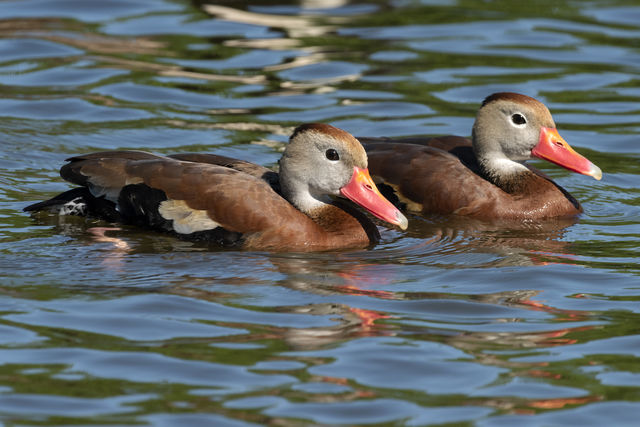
451	322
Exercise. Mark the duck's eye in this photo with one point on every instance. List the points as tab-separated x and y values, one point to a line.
332	154
518	119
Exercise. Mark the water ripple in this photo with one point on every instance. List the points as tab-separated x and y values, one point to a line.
451	321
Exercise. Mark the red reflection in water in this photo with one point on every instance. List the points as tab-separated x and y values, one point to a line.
561	403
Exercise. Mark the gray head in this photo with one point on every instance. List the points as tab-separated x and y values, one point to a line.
511	128
508	127
319	161
323	161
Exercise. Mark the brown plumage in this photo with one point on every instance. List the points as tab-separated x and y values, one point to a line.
485	177
235	203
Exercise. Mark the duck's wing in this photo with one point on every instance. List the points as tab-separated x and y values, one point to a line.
183	196
229	162
430	175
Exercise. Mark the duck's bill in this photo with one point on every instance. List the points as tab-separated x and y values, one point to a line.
553	148
364	192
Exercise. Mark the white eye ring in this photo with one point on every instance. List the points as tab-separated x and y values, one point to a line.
518	120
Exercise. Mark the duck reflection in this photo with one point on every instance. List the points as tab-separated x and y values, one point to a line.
339	277
357	287
512	242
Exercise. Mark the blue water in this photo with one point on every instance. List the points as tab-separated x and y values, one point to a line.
450	322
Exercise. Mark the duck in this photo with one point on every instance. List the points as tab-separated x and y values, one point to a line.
485	177
306	206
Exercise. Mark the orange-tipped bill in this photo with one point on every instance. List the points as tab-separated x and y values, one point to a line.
364	192
553	148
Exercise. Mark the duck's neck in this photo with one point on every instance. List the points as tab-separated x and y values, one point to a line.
343	225
298	195
511	176
320	208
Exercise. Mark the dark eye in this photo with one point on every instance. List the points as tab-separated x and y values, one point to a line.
518	119
332	154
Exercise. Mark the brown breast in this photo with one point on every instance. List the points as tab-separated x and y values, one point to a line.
441	175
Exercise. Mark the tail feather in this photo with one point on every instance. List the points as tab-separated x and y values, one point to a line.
78	201
55	204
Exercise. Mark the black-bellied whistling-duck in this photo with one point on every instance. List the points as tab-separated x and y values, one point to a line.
236	203
486	177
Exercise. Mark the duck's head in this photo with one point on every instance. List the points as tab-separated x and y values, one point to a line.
323	161
511	128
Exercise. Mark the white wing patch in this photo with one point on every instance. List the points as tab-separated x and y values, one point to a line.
185	219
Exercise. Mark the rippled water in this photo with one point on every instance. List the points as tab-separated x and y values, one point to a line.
453	322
